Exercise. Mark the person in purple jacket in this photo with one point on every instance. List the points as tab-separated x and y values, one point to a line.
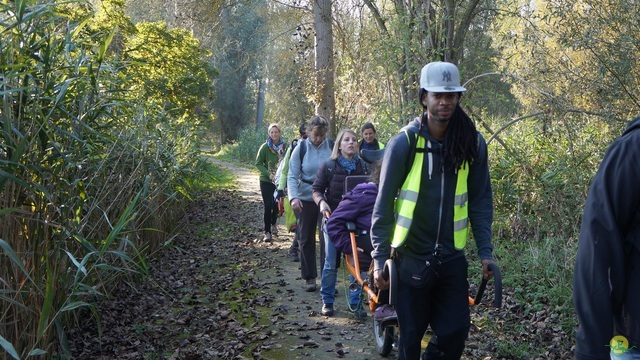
356	207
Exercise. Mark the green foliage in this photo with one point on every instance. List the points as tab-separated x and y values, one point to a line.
246	148
238	53
171	72
95	167
211	177
535	162
288	100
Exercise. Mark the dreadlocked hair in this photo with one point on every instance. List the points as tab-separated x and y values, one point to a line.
460	141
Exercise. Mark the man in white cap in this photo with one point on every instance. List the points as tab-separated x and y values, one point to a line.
437	166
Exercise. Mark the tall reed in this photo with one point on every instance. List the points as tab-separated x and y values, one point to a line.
89	180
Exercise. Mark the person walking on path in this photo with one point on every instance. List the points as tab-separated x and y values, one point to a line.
437	165
607	270
369	140
294	250
328	189
267	160
302	172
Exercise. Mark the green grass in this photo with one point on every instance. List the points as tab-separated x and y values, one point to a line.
212	177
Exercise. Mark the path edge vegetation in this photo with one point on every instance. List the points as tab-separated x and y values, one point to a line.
99	157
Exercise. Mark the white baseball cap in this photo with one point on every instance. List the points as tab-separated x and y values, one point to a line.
440	76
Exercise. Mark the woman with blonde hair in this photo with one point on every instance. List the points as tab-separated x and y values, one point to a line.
328	189
267	160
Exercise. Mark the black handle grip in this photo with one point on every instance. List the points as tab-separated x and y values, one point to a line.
389	273
497	283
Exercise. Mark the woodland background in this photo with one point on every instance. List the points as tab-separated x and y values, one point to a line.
107	105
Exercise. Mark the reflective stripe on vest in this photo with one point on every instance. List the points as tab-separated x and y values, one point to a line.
408	197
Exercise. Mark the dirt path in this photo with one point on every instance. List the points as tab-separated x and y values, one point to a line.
217	293
214	292
301	331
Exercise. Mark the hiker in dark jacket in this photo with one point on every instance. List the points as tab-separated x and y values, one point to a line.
369	140
356	207
606	282
433	209
328	189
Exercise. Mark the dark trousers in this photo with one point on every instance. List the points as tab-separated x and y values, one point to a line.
308	226
443	304
270	207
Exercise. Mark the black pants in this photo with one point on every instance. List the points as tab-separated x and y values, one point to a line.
270	207
443	304
308	223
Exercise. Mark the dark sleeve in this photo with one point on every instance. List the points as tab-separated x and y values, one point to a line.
599	274
481	201
394	163
320	184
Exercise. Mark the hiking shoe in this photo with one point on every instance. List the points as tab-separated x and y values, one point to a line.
310	285
384	312
267	237
293	253
327	310
358	311
274	230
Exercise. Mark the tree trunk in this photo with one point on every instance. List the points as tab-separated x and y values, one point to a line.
325	97
262	87
400	67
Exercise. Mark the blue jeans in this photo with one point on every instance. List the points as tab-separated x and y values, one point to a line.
329	272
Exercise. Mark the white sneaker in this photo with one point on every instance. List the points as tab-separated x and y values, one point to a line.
274	230
267	237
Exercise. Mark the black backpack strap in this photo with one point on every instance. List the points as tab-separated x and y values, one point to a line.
328	171
303	149
413	140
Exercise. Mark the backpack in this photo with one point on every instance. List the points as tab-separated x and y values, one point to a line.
303	148
328	171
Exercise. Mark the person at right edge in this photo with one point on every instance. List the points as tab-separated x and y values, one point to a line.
606	279
437	165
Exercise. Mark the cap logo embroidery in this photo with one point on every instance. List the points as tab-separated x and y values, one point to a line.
446	76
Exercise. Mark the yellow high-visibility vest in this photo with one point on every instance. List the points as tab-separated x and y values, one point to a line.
406	201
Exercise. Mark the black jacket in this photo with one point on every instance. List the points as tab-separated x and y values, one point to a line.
436	185
329	185
606	284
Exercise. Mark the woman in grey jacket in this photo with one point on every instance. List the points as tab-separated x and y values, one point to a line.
302	173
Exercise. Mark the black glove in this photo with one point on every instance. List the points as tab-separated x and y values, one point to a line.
280	194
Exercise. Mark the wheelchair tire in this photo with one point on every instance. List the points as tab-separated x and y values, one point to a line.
384	338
